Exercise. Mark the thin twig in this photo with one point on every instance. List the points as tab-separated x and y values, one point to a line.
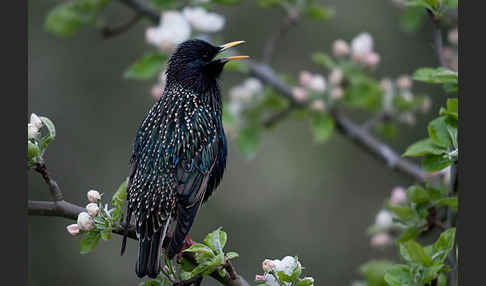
109	32
437	34
269	48
54	189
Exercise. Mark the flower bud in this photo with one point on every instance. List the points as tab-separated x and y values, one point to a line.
157	91
85	222
426	104
362	45
384	219
453	36
340	48
305	78
318	83
35	120
73	229
371	59
380	239
92	209
268	265
398	195
337	93
336	76
32	131
404	82
318	105
94	196
299	94
259	278
386	85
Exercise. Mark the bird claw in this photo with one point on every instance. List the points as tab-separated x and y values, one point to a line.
187	243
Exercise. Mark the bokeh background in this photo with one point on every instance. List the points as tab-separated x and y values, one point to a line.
295	198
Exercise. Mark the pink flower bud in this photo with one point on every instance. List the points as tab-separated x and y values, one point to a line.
85	222
92	209
426	104
398	196
318	83
268	265
404	82
299	94
73	229
453	36
386	85
340	48
337	93
371	59
156	91
380	239
336	76
260	278
93	196
318	105
305	78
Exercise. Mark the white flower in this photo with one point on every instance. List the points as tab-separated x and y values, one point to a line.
202	20
384	219
287	265
173	30
337	93
268	265
92	209
362	45
340	48
404	82
299	94
35	121
93	196
336	76
398	195
380	239
318	83
32	131
371	59
305	78
85	222
318	105
73	229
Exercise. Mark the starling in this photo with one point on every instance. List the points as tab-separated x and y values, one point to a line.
179	153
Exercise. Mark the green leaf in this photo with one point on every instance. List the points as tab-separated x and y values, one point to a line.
147	67
318	12
424	147
282	276
417	253
409	233
450	202
417	194
432	272
150	283
32	150
436	75
200	248
69	17
269	3
118	200
444	244
399	275
50	126
322	126
433	163
404	213
216	240
106	234
248	140
164	4
374	271
89	241
305	282
231	255
412	19
439	133
323	60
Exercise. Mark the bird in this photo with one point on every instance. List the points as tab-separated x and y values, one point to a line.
179	153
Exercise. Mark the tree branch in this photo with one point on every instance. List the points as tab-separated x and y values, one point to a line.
56	193
109	32
437	34
269	48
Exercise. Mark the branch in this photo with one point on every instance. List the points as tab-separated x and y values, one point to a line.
56	193
109	32
346	127
437	38
142	10
269	48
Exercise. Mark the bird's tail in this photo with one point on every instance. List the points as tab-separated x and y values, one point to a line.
185	218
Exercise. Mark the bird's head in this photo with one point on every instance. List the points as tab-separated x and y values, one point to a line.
194	64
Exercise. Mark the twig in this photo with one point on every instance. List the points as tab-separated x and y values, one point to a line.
56	193
142	10
437	34
277	117
269	48
109	32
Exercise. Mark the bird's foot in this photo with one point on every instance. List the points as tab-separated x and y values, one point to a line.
187	243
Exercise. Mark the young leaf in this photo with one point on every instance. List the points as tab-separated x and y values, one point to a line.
436	75
450	202
444	244
322	126
32	150
417	194
231	255
424	147
199	247
374	271
433	163
417	254
409	233
404	213
216	240
89	241
147	67
318	12
118	200
304	282
323	60
439	133
398	275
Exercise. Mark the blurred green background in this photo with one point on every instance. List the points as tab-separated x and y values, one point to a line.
295	198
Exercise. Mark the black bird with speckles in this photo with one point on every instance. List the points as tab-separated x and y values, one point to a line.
179	153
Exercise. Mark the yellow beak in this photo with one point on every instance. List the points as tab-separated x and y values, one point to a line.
230	44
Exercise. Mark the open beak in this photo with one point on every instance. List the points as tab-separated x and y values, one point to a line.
229	45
